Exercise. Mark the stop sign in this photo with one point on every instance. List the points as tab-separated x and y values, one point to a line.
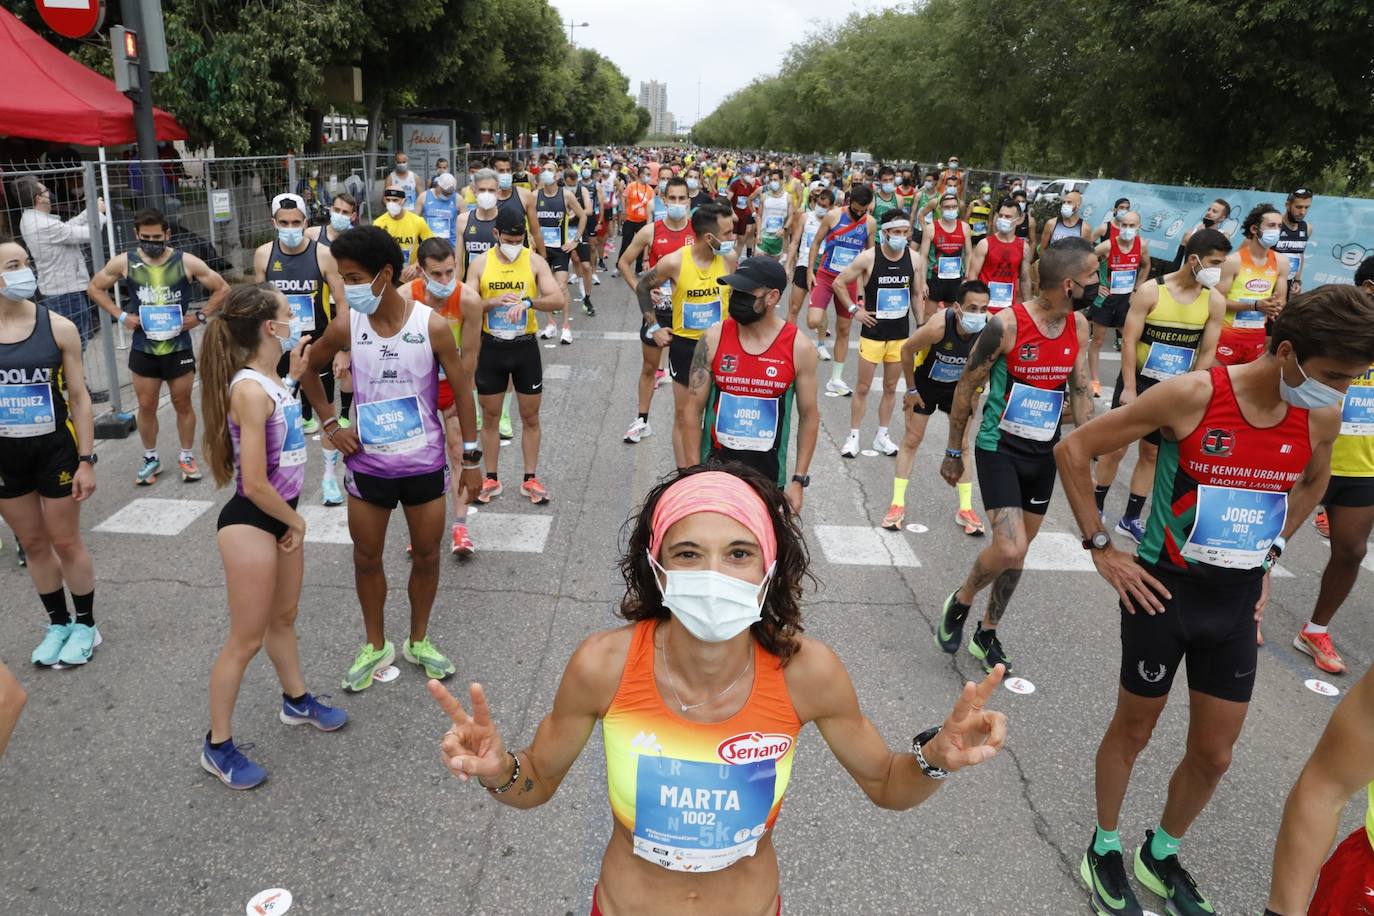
73	18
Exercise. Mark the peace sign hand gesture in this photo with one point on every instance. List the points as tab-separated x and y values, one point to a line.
971	735
472	746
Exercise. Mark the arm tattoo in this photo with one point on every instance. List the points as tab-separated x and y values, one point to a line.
700	374
644	292
1002	588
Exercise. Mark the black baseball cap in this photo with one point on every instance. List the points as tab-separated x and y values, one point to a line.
510	221
757	273
395	192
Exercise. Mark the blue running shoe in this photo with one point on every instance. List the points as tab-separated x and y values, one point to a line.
147	472
312	712
1133	528
229	766
80	645
329	488
51	647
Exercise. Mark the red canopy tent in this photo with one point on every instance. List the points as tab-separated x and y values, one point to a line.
52	97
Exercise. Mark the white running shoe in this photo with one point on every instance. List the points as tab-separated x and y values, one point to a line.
850	449
883	443
596	281
638	430
566	337
838	386
823	353
550	331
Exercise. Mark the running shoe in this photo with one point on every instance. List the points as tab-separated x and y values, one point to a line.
987	648
951	629
490	490
1317	645
1321	523
504	428
659	378
424	654
588	307
535	491
310	427
550	331
566	337
462	544
19	554
366	664
894	518
1097	388
883	444
1133	528
1105	876
970	522
311	711
147	472
838	386
227	764
596	281
823	353
190	471
638	430
332	494
1170	880
80	645
850	449
51	647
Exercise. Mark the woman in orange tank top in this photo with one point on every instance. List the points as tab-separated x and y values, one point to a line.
701	698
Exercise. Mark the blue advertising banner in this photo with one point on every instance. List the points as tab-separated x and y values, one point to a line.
1342	227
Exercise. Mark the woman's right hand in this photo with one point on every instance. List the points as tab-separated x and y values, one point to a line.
296	364
472	746
294	536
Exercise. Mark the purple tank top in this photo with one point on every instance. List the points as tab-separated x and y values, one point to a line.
285	438
395	399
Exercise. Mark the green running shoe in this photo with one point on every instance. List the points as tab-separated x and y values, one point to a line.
367	663
1105	876
505	430
424	654
1170	880
951	629
987	648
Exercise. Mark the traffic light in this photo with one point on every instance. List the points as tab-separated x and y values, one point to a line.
124	47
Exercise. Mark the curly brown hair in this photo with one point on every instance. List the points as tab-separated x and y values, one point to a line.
781	624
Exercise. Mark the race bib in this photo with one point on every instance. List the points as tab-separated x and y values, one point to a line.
698	316
1032	413
999	295
302	307
1234	528
552	235
410	198
502	328
440	225
1122	282
390	427
160	322
26	411
1294	265
944	371
1357	411
698	817
293	443
893	303
772	224
1249	318
742	202
746	424
807	238
841	258
1167	360
949	267
978	227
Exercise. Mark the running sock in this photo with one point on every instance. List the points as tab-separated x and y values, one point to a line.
331	460
836	370
150	454
1163	845
644	416
899	491
55	603
1313	628
965	497
216	745
1134	504
295	701
85	608
1105	841
854	432
186	455
882	432
345	403
491	475
1100	494
529	477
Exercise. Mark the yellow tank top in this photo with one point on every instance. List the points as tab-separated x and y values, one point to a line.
1171	327
499	278
1369	816
1352	454
1252	283
697	296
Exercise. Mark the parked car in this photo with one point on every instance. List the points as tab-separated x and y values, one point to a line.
1056	189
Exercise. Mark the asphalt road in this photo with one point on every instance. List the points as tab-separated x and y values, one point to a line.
105	809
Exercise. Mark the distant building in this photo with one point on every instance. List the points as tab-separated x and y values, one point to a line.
653	95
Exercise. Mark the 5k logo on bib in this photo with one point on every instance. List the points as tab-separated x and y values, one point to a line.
754	746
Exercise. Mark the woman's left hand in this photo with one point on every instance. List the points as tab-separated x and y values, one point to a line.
971	734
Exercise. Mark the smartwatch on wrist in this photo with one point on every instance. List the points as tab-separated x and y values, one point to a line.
803	479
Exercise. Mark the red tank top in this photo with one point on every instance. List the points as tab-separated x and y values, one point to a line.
666	240
1002	272
740	191
766	375
1037	360
951	243
1224	450
1122	267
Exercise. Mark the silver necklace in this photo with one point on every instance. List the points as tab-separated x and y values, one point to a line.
683	706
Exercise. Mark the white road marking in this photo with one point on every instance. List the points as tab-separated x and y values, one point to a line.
167	517
325	524
496	532
558	371
861	545
1058	551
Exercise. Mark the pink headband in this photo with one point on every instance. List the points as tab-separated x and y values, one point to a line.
719	492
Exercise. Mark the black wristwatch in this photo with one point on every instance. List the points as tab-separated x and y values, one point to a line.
200	316
472	455
90	459
1099	540
803	479
921	741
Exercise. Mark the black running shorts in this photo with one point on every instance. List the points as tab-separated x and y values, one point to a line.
1009	481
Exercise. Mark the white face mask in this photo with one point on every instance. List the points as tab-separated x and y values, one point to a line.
394	208
1066	211
547	177
486	200
712	606
1207	276
510	252
1003	225
949	214
1127	234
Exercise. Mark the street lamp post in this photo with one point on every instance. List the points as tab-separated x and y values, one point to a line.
573	26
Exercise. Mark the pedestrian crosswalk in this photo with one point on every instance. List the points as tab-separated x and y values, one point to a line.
145	515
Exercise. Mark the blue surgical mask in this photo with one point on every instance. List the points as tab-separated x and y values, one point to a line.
973	322
693	184
293	336
290	238
1269	238
586	173
724	247
1127	234
1311	394
441	290
340	222
889	187
19	284
361	298
503	180
677	211
775	186
1003	224
894	242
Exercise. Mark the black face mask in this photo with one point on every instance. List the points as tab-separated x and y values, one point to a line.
857	216
1088	298
1208	222
743	306
152	249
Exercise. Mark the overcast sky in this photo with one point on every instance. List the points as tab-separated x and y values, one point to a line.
751	41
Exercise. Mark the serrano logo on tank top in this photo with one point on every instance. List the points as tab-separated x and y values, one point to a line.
754	746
